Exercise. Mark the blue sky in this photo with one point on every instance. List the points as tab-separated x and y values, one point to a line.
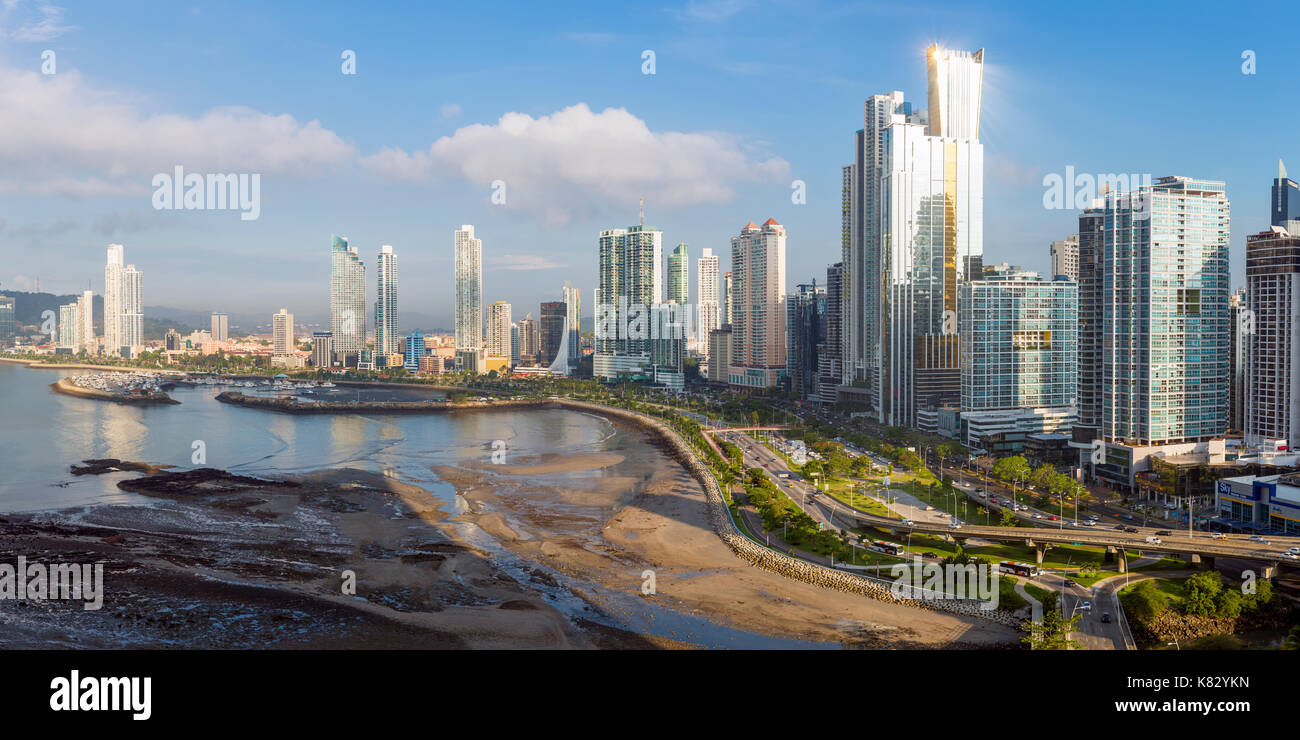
747	96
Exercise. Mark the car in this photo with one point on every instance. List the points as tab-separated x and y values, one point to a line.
1038	516
1070	582
1053	517
909	523
1165	533
1093	517
1288	555
1255	538
954	524
1219	536
1089	523
1131	530
1153	540
1120	527
929	507
1294	550
1084	606
1129	517
1105	617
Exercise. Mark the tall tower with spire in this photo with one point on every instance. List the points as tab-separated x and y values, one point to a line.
1286	198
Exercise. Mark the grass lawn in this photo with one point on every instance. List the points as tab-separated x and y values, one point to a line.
1045	596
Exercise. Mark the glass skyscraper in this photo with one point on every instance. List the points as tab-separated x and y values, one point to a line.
679	276
469	289
347	299
387	340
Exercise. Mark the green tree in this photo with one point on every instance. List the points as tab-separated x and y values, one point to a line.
1051	633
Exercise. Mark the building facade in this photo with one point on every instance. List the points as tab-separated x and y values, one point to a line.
628	285
551	331
347	301
1272	337
387	340
468	288
707	297
1065	257
758	343
805	337
679	276
220	325
498	329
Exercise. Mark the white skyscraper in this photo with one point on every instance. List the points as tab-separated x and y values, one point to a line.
572	298
706	290
387	340
498	329
347	298
282	332
132	310
113	299
629	275
912	233
220	326
86	315
758	341
69	325
469	289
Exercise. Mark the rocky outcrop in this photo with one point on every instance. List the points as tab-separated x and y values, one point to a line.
762	557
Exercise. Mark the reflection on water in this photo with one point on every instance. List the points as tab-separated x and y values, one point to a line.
42	433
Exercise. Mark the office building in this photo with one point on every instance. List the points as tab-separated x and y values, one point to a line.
911	233
679	276
1065	257
220	327
468	288
132	336
113	299
387	339
1286	198
1238	323
1271	337
69	325
1019	363
830	357
530	348
498	329
322	349
8	326
347	301
86	315
805	336
551	332
282	333
572	298
414	347
720	359
725	298
758	303
628	285
707	292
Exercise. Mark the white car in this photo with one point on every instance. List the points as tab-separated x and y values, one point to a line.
1090	523
1294	550
1219	536
954	524
909	523
1289	555
1038	516
1093	517
1085	606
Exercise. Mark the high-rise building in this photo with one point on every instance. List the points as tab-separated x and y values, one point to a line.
132	311
720	359
706	292
679	276
572	298
282	333
912	231
1164	323
1065	257
1092	274
8	327
628	286
830	358
529	341
469	288
758	301
347	301
86	315
514	344
220	327
551	331
387	339
414	350
322	349
1286	198
69	326
1237	321
805	334
725	298
1019	340
498	329
113	299
1271	334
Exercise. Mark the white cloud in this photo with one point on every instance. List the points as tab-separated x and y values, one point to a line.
576	159
63	136
397	165
40	21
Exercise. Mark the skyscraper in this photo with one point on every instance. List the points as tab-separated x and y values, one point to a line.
758	333
282	333
7	323
1286	198
551	331
113	299
498	329
86	315
805	334
628	285
727	289
572	298
529	341
830	359
912	231
1019	339
413	351
469	289
347	301
1237	327
1164	322
69	326
1271	334
1065	257
679	276
220	327
387	340
706	291
322	349
132	311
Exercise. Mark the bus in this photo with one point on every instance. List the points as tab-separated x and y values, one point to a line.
889	548
1020	569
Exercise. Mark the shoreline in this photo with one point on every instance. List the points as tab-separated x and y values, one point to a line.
284	406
